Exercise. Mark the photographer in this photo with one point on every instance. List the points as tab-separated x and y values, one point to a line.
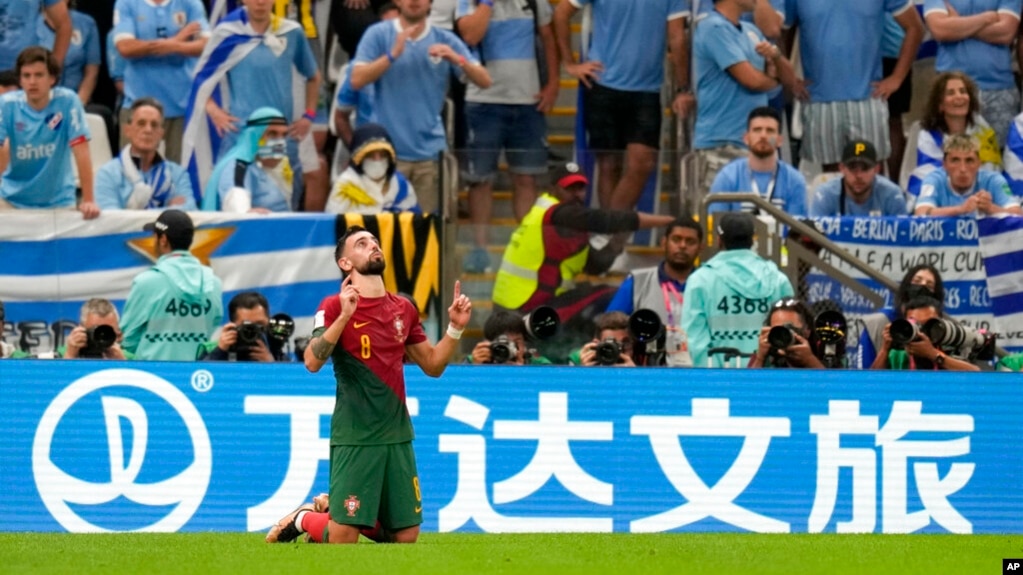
785	338
98	335
908	347
246	336
612	344
505	336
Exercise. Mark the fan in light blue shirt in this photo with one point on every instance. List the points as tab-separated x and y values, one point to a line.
762	172
722	101
989	63
256	174
139	178
40	141
841	43
413	122
139	25
961	187
848	196
630	40
83	59
18	18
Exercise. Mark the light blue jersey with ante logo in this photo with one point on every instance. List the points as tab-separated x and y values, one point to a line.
39	174
166	78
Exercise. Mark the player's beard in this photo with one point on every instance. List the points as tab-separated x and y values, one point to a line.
374	267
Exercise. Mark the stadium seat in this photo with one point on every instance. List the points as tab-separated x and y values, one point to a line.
99	145
909	157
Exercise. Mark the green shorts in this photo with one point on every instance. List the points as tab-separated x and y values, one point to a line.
375	482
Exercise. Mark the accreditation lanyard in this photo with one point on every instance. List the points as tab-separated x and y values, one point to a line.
770	185
668	290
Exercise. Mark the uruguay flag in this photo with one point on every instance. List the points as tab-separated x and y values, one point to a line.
1001	244
233	39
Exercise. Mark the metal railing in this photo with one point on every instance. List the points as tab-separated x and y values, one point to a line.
799	255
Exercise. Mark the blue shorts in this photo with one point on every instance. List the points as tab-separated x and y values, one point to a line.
518	129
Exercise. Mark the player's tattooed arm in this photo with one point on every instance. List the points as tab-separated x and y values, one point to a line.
322	348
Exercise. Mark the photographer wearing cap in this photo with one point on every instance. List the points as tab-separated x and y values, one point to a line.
98	334
906	346
558	239
785	338
505	342
611	345
247	336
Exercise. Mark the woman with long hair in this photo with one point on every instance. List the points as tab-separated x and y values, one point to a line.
953	107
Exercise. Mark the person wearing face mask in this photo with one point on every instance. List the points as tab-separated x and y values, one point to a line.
922	280
256	175
372	184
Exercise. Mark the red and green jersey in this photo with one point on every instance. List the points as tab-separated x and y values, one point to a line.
368	365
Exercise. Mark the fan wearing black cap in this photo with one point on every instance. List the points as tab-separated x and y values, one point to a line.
862	190
555	242
372	183
728	296
173	307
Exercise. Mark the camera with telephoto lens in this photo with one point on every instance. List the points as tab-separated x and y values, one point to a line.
98	339
281	328
958	340
609	351
542	322
828	338
647	331
781	336
902	331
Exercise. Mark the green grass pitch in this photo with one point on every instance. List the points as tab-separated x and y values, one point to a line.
556	554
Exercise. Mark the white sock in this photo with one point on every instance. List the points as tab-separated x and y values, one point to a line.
298	520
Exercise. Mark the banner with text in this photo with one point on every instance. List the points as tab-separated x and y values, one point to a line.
894	245
53	261
118	446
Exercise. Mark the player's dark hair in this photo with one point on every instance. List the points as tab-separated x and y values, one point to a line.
503	322
35	54
247	300
763	112
146	101
339	250
685	222
387	7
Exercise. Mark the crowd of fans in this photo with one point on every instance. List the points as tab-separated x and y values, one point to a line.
220	117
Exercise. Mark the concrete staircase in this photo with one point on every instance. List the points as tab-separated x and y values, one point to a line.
561	140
